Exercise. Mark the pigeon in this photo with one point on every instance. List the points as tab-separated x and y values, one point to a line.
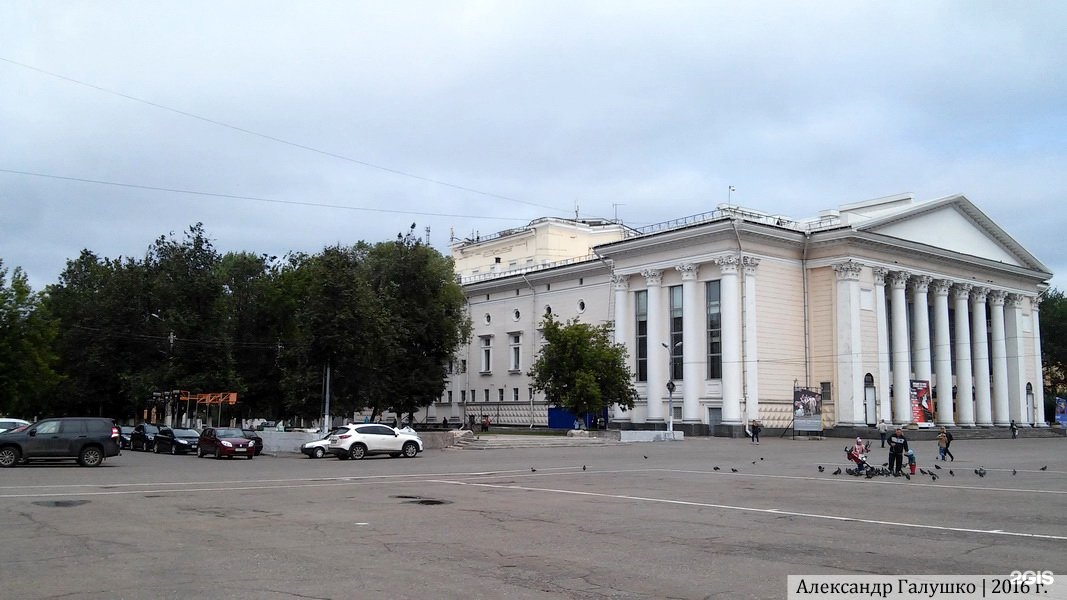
1044	468
1013	472
583	467
761	458
938	467
933	477
908	477
976	471
981	471
923	471
646	456
753	462
951	473
885	464
715	468
821	469
533	470
837	472
733	470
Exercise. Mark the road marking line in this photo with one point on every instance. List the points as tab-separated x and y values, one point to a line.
773	511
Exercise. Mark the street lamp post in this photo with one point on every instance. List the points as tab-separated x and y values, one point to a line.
670	385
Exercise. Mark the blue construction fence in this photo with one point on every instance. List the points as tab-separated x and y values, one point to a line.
561	418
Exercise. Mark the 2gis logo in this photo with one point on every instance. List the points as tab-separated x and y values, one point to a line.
1032	577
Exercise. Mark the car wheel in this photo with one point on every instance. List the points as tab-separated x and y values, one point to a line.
410	449
218	454
357	451
319	453
90	456
9	456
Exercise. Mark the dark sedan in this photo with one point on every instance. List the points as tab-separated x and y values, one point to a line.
124	437
225	441
258	441
176	441
143	437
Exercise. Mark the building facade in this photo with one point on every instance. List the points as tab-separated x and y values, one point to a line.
739	309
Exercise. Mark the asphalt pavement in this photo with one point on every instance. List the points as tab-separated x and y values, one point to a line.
651	520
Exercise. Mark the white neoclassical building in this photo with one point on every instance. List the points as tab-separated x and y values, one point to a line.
739	308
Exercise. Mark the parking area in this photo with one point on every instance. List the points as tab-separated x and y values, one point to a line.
621	521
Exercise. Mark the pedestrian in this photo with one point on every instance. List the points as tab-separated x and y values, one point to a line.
485	423
444	422
898	445
1014	430
944	438
756	429
883	430
911	461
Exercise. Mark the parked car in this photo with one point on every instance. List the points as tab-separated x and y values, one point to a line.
88	440
319	447
357	441
176	441
144	437
124	436
258	441
224	441
7	423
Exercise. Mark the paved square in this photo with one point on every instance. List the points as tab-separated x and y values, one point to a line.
525	523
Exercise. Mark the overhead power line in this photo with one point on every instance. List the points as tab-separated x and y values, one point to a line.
277	139
254	198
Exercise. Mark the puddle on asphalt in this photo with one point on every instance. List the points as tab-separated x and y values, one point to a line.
60	503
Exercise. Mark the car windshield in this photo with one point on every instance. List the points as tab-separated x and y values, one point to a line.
186	433
228	433
151	429
126	430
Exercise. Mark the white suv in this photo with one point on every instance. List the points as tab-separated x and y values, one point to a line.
357	441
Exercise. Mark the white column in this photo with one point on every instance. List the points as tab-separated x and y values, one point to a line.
751	364
731	340
942	354
624	317
998	353
901	349
657	380
964	387
1038	376
849	351
692	351
885	412
983	408
920	322
1017	408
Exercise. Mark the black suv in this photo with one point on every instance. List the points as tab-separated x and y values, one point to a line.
87	439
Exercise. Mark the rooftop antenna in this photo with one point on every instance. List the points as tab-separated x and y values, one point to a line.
427	235
729	194
615	206
575	210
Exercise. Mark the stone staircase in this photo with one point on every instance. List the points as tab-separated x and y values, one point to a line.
493	442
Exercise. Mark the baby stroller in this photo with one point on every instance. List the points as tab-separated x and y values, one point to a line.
860	459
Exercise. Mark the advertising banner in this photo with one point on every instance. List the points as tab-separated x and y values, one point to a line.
807	410
922	405
1061	411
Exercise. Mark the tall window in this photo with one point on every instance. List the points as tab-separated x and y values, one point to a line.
501	394
463	396
515	351
450	396
486	394
641	299
515	394
675	349
486	342
714	306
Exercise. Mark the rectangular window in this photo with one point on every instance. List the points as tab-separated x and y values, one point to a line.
486	342
501	390
450	396
515	394
714	308
463	366
675	350
641	310
463	396
515	340
486	394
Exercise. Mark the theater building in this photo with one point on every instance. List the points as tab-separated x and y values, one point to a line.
867	307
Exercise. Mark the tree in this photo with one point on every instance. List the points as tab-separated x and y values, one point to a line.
581	369
1054	347
27	332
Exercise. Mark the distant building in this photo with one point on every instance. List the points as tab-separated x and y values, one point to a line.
741	308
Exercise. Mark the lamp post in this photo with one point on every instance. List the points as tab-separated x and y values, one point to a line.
670	385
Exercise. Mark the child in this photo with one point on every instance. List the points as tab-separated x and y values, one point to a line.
911	461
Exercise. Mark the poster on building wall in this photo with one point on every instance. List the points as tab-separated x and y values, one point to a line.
1061	411
922	405
807	410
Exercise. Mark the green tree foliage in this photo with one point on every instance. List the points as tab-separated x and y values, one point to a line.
27	332
1053	318
581	369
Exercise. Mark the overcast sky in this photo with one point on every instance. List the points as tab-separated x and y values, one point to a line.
349	121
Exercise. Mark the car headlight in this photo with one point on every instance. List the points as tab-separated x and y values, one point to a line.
183	442
227	444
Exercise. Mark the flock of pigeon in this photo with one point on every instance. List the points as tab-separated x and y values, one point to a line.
883	471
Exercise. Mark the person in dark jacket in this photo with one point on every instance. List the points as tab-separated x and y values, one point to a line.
898	445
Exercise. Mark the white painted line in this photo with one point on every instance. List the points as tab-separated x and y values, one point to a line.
774	511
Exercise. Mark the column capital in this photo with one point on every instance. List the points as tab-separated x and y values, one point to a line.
962	291
688	271
1015	300
979	294
848	270
997	297
1035	302
899	279
652	276
941	287
622	282
880	273
750	263
921	283
728	264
